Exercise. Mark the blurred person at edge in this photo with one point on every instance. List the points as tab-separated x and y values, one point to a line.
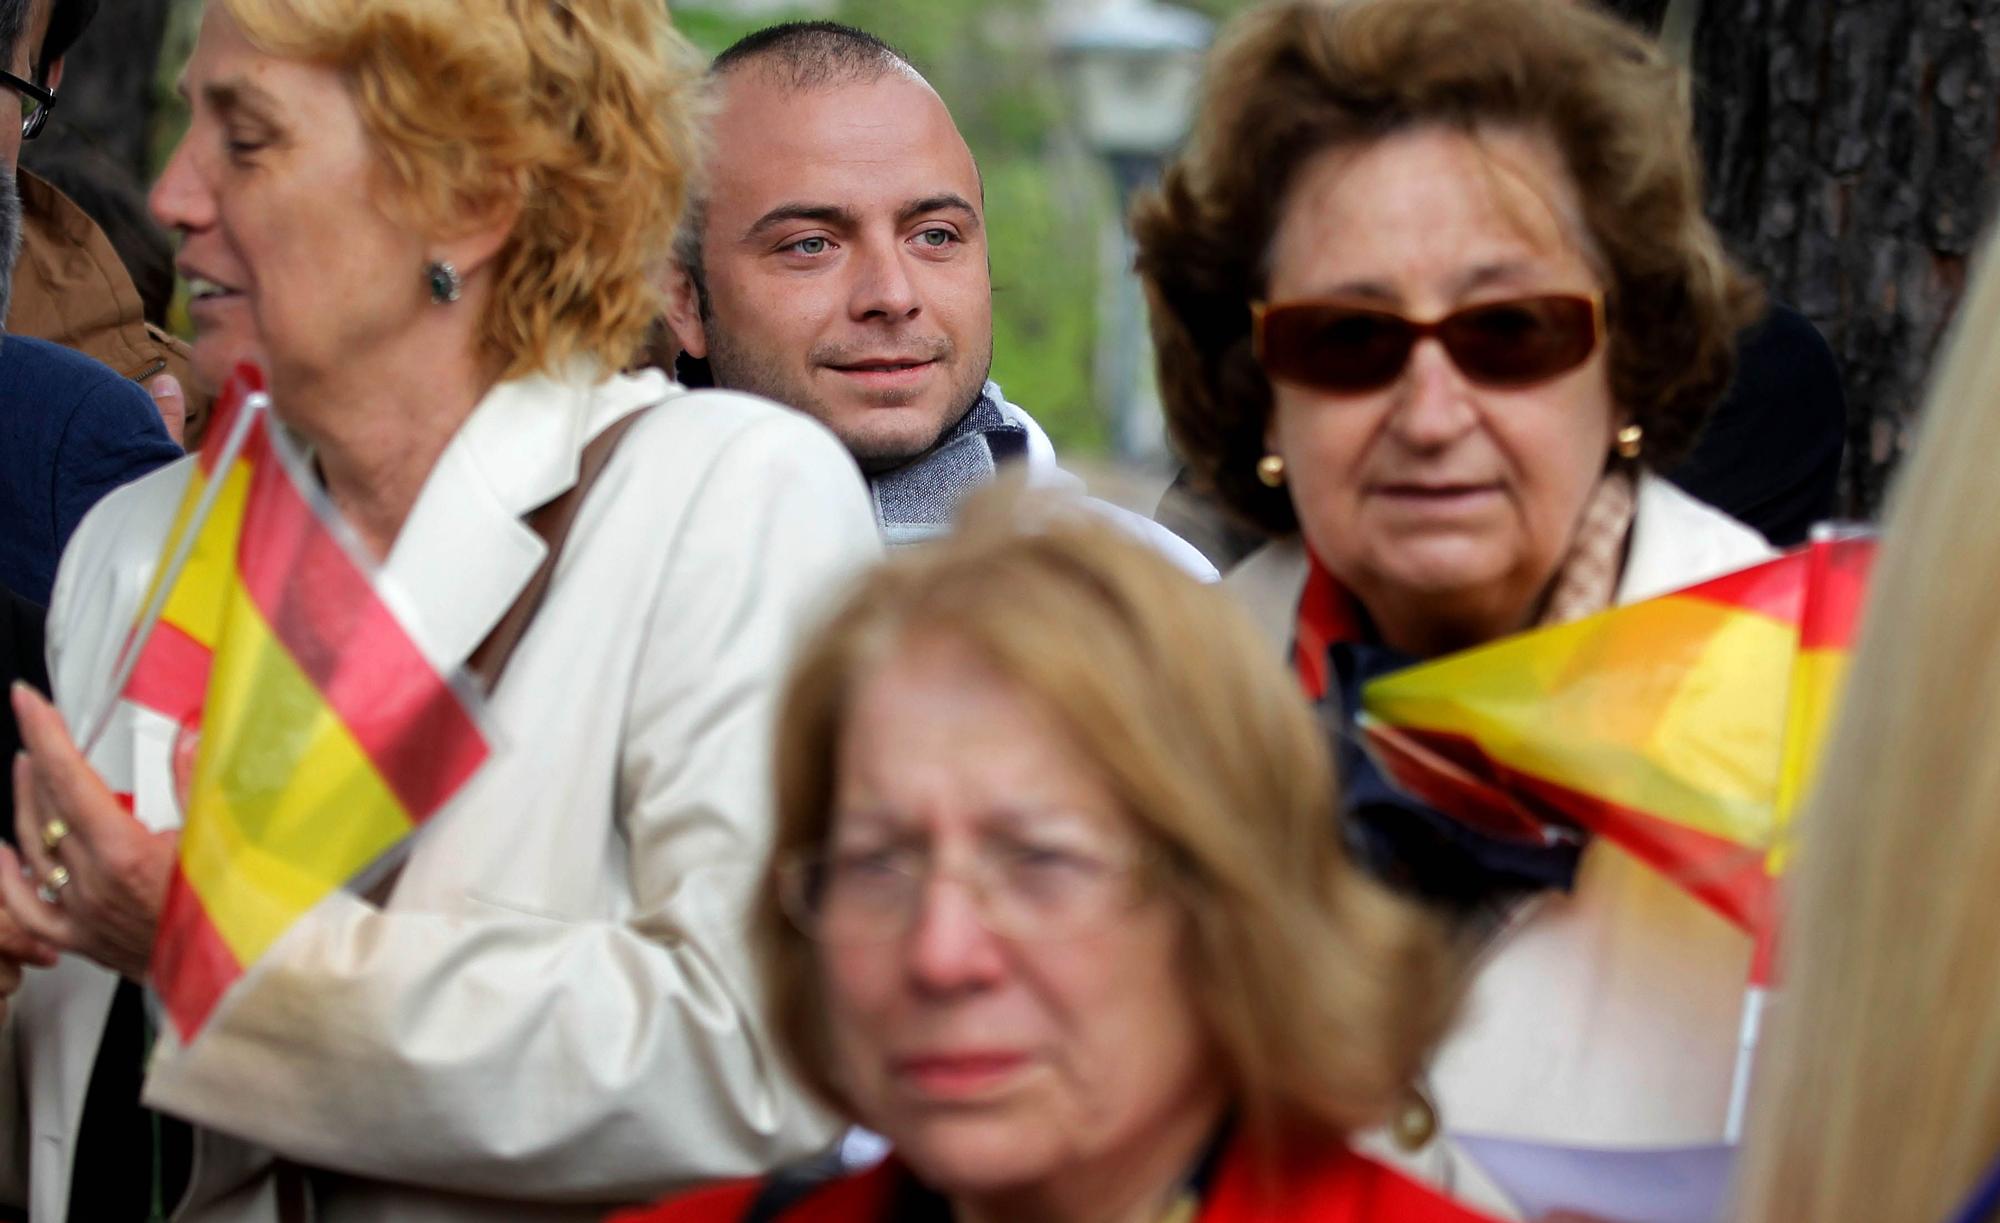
837	262
1878	1089
1053	909
441	222
71	429
73	285
1433	295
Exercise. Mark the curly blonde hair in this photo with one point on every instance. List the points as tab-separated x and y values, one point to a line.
1322	993
1291	79
583	113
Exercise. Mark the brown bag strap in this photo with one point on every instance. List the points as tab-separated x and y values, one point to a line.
552	522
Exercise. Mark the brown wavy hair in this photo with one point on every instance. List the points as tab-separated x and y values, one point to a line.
585	113
1321	993
1289	80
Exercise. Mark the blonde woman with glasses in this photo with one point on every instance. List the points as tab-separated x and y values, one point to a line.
1055	911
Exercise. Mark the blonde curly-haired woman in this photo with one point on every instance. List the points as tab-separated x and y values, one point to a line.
437	223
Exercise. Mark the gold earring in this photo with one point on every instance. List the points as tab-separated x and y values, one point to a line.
1271	471
1416	1122
1630	441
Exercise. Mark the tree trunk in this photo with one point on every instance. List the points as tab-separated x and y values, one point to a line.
108	90
1852	149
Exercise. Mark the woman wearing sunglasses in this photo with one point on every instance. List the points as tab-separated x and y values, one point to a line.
1434	297
1054	911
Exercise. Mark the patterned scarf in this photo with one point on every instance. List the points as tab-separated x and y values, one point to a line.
914	502
1336	652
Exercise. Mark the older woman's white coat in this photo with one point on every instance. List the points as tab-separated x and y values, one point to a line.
1609	1016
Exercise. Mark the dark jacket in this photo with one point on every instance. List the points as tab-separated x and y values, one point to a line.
71	288
71	430
20	658
1770	454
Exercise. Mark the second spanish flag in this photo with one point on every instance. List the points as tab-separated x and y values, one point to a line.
1681	728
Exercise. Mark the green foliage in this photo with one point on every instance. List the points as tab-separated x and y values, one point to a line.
712	30
1045	300
1217	10
169	113
989	59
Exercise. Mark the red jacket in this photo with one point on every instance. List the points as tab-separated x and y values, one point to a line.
1339	1187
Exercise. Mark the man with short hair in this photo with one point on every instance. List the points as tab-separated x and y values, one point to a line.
71	429
838	264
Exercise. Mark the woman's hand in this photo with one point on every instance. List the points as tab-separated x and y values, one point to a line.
95	878
18	949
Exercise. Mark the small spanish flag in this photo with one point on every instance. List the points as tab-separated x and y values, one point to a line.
1683	728
317	736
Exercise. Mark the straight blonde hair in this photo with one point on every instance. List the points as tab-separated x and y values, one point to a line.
1321	993
1880	1096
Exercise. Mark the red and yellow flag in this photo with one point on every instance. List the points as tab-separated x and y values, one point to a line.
1683	728
320	737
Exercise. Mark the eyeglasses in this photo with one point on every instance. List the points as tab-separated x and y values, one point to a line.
1021	891
1346	348
36	103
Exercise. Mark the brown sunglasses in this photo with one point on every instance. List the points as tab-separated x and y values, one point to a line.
1346	348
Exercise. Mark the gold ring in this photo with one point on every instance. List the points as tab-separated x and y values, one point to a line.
53	833
50	891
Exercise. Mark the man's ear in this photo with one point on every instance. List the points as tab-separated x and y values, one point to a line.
54	81
684	313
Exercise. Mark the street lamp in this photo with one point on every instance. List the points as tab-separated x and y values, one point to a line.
1132	66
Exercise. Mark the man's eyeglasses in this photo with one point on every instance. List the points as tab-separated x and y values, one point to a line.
36	103
1347	348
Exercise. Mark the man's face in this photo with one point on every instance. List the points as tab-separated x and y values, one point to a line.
845	252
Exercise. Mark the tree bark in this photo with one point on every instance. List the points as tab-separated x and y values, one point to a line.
108	87
1852	148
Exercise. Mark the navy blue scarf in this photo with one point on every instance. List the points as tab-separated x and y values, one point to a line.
1401	840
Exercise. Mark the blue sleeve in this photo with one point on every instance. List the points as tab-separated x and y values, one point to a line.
113	436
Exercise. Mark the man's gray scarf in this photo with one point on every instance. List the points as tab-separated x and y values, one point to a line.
914	502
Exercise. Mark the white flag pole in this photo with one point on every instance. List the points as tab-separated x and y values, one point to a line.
1754	999
1790	793
183	546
